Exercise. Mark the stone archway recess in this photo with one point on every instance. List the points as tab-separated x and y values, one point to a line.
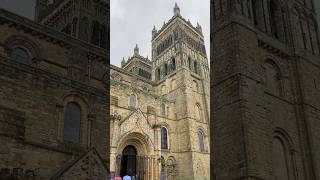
148	166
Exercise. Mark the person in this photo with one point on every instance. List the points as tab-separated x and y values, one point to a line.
127	177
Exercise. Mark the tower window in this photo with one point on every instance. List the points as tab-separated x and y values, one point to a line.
72	116
164	138
276	20
132	101
165	69
163	109
195	67
201	140
173	64
74	27
20	55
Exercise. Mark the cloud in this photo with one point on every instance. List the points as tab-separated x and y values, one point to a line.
131	22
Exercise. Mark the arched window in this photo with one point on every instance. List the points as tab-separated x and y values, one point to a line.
201	140
72	117
133	101
103	35
165	69
20	55
276	19
158	74
84	28
164	138
95	38
198	112
272	78
74	27
163	109
173	84
173	64
258	15
280	169
195	66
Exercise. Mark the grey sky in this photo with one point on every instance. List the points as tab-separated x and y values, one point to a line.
131	22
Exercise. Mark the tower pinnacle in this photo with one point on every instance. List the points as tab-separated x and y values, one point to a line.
123	62
199	27
136	50
176	10
154	31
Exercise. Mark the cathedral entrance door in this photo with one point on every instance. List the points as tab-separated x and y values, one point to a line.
128	163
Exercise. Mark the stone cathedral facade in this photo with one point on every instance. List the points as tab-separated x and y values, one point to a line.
160	107
265	87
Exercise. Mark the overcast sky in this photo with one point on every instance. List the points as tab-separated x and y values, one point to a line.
133	20
131	23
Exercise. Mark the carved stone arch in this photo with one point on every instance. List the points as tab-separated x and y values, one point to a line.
202	139
281	139
275	62
164	124
140	141
26	43
282	134
172	166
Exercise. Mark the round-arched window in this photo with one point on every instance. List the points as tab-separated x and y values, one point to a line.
201	140
72	118
164	138
20	55
132	101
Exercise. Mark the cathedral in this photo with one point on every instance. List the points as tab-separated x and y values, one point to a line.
160	107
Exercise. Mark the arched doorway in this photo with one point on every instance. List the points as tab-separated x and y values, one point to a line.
129	161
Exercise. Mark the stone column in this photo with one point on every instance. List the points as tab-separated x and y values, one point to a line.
114	140
148	172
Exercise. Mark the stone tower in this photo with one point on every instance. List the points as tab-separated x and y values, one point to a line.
181	73
138	64
83	19
266	78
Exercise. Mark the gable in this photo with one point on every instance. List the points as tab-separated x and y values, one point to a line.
87	166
